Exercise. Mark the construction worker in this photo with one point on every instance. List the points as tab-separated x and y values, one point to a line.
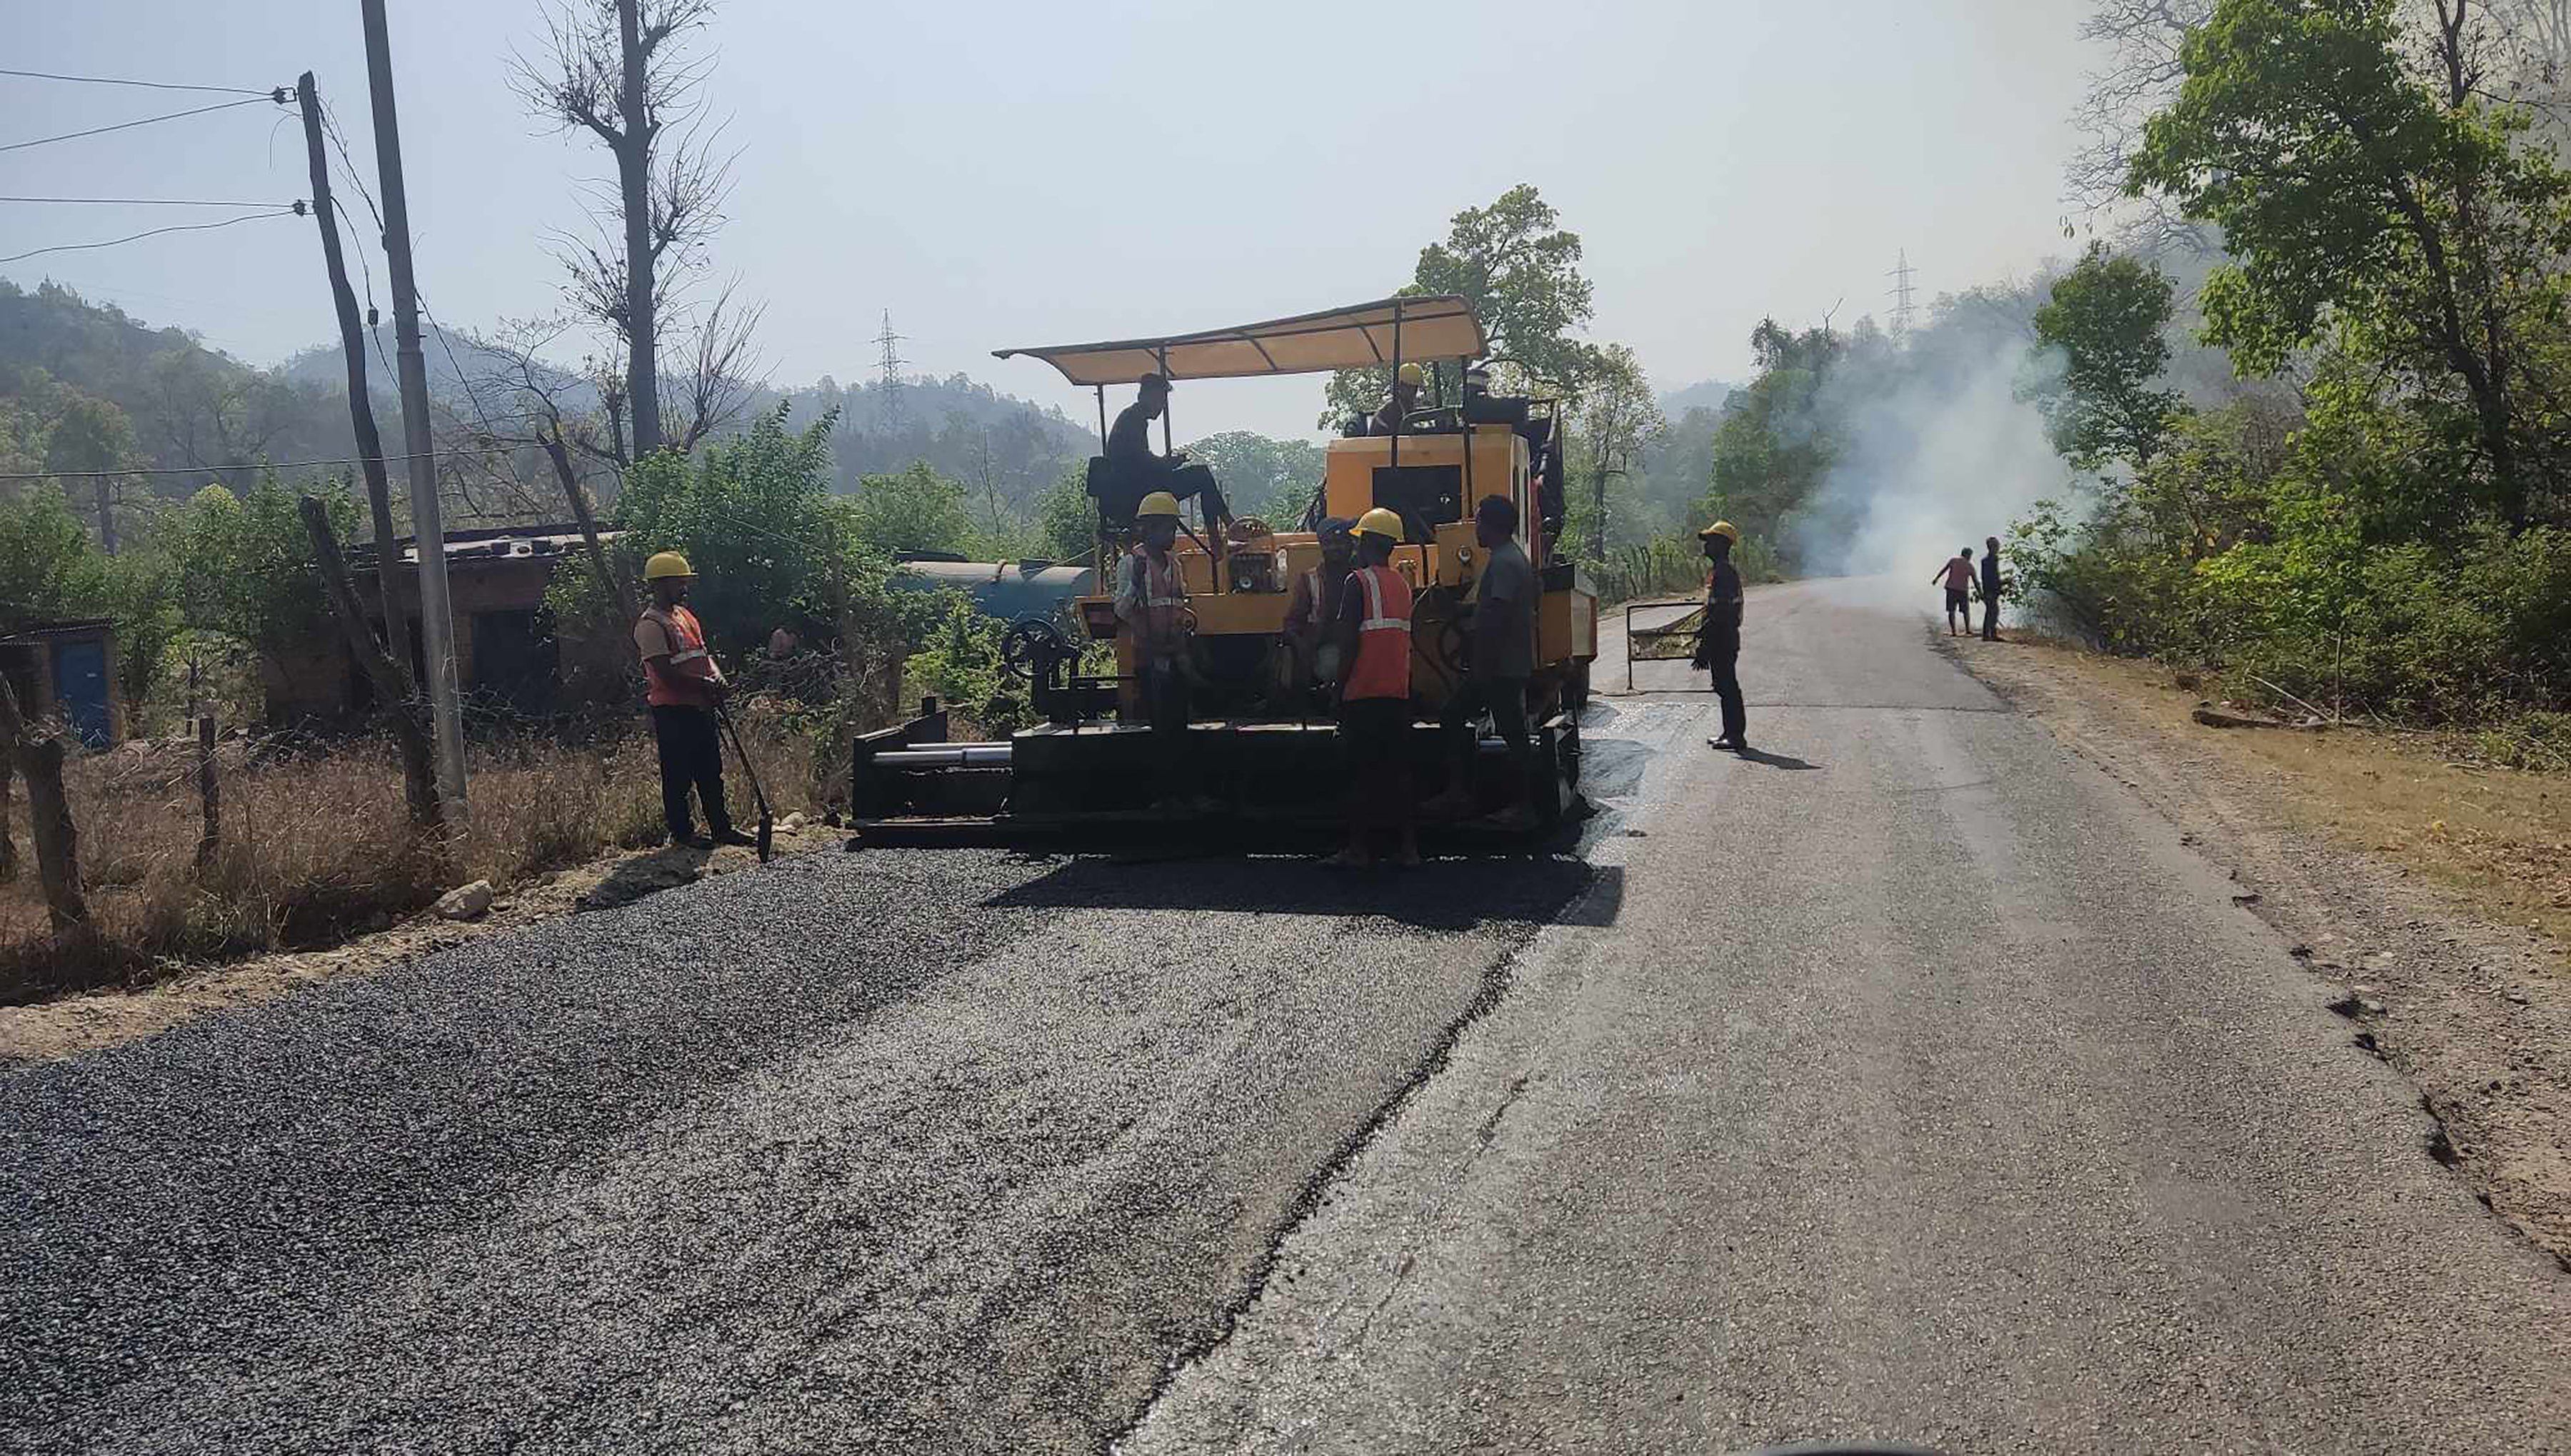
1503	658
1375	697
1718	642
1140	472
686	689
1407	382
1151	602
1313	610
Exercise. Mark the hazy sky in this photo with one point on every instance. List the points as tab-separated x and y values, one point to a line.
1051	170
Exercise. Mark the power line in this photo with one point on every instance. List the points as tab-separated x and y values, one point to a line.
294	211
148	202
279	96
146	85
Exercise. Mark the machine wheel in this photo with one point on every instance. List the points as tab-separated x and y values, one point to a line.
1029	644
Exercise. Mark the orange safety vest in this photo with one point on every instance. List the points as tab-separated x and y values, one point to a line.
1163	594
1383	667
679	687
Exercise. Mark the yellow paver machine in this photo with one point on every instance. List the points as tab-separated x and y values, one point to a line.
1262	752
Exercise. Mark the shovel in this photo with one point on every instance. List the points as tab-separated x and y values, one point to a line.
766	822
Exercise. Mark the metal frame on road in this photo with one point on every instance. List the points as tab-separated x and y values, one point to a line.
1654	633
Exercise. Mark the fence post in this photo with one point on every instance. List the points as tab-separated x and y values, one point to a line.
1628	647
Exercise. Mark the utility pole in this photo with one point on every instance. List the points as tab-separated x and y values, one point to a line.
362	409
437	612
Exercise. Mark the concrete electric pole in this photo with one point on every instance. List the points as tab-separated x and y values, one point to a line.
436	614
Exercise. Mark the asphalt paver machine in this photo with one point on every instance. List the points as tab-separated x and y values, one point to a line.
1263	752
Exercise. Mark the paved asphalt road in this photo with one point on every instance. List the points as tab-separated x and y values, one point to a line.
1905	1080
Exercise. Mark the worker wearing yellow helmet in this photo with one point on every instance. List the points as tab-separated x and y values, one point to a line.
1375	695
1152	602
1407	382
1718	642
684	686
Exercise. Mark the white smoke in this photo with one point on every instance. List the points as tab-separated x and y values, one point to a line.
1935	453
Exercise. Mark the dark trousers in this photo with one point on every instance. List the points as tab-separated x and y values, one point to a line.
1991	617
1135	481
1722	660
1505	697
691	757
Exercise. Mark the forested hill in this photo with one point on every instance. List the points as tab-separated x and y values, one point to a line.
179	405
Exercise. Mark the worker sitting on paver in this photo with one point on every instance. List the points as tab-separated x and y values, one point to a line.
683	687
1718	642
1139	472
1152	600
1375	702
1503	658
1311	614
1407	382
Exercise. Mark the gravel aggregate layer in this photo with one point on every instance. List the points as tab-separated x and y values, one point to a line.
930	1150
1906	1080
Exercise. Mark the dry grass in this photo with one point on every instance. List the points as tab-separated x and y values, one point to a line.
2439	804
317	847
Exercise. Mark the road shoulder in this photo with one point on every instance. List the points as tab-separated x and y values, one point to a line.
2429	891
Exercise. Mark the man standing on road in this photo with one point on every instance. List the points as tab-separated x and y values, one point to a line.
685	689
1151	602
1957	574
1718	642
1991	588
1374	703
1503	658
1311	614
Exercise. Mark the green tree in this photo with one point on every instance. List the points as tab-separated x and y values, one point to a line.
142	596
1066	519
49	568
1779	437
245	563
1270	478
916	509
754	516
1616	422
2357	195
2107	316
90	438
1521	270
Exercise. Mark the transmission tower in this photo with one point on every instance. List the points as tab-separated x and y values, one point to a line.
1902	295
891	361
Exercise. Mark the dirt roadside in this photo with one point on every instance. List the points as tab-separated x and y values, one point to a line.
2433	895
66	1026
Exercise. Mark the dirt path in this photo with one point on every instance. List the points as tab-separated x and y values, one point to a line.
66	1026
2432	891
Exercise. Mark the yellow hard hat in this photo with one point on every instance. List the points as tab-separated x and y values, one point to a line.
1157	503
664	565
1723	529
1411	374
1381	522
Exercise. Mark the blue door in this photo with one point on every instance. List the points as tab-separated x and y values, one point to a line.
80	682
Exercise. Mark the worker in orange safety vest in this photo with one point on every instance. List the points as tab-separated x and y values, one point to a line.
685	689
1375	695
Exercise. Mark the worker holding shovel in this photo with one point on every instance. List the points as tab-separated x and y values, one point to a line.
687	691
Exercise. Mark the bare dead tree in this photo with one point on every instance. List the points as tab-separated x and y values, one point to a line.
2142	72
620	69
532	406
718	381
